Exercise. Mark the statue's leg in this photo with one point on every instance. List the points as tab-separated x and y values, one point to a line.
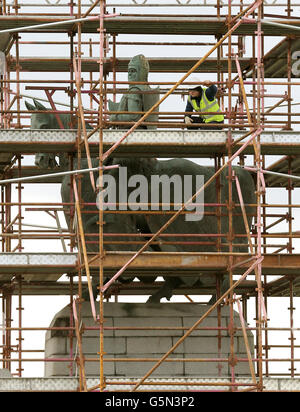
147	279
86	293
166	291
224	287
45	160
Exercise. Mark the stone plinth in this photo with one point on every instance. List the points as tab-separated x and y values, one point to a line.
124	340
5	373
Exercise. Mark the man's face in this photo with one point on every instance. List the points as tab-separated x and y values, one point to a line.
194	94
133	74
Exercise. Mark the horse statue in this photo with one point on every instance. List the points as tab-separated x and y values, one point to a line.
149	173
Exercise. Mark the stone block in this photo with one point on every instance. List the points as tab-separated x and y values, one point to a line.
205	368
5	373
53	369
89	322
242	368
140	368
210	322
242	346
148	322
92	345
153	344
56	346
93	368
208	345
58	368
145	345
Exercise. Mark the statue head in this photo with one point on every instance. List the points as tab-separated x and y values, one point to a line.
138	69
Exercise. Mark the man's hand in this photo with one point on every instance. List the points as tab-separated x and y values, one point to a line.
221	92
188	120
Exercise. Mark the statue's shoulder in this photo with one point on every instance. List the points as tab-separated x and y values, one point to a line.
113	106
140	87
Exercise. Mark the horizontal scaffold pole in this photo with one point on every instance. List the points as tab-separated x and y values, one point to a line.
269	172
45	176
53	24
284	26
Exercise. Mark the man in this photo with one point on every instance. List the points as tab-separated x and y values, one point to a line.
201	100
139	99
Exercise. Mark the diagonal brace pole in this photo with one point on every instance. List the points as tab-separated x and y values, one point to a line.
258	280
85	257
198	322
251	367
219	171
87	148
229	33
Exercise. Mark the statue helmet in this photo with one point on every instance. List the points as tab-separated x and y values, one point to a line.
141	64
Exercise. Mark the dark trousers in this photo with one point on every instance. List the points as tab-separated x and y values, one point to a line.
210	126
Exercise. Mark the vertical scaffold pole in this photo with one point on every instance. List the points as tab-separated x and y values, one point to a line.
260	93
20	338
7	319
230	204
19	188
292	338
17	37
100	188
77	68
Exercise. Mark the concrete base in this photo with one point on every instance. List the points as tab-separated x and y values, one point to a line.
5	373
123	341
65	384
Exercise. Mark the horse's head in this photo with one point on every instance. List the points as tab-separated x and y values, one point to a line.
45	121
48	120
40	120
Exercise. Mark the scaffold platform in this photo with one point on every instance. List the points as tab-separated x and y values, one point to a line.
71	384
42	271
168	143
151	24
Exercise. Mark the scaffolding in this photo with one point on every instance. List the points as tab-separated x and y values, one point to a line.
261	122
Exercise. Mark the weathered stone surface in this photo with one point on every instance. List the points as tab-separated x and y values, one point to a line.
5	373
143	347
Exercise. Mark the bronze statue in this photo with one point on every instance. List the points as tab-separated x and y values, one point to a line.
139	224
140	97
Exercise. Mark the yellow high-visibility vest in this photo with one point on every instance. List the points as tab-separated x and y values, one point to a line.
207	106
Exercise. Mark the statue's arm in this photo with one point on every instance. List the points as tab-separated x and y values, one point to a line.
134	104
113	107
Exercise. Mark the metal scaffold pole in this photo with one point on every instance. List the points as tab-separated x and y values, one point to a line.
232	361
260	189
100	189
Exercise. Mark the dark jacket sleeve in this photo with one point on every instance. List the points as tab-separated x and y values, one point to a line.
211	92
189	108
